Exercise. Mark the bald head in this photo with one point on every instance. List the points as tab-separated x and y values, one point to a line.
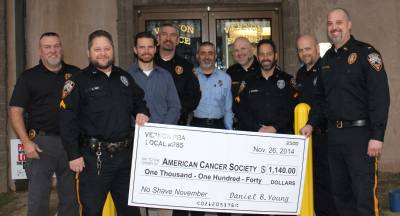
308	50
243	52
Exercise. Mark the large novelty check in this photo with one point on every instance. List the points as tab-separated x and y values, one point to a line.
176	167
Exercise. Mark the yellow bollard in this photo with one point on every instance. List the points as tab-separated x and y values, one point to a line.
300	119
109	208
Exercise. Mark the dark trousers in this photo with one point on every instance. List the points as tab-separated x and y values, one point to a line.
323	197
114	177
52	160
199	123
353	172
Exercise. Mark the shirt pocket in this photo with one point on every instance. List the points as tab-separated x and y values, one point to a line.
97	100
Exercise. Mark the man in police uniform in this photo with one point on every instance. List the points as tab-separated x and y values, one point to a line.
353	88
266	102
37	93
306	79
246	67
97	108
181	70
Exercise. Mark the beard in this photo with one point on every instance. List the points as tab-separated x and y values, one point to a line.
97	64
335	39
146	58
268	65
54	61
167	46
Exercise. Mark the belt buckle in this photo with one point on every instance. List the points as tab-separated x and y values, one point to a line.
113	147
339	124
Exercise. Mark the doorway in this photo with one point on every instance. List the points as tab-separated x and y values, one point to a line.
220	25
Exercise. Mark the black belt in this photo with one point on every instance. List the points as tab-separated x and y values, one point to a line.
33	133
344	123
208	121
111	147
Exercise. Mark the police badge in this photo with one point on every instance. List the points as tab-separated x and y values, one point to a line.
352	58
67	76
124	80
178	69
281	84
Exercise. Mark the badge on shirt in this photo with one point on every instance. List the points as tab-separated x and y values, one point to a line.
67	76
220	83
375	61
178	69
281	84
315	81
68	86
352	58
124	80
241	87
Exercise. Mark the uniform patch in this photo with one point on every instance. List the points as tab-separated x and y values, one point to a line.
220	83
352	58
124	80
281	84
67	76
375	61
241	87
178	69
68	86
253	91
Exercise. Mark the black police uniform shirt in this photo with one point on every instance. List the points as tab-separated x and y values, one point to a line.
185	81
95	105
38	91
306	82
353	86
267	102
239	76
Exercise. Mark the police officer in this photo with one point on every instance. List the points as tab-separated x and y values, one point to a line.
97	109
246	67
181	70
306	79
353	88
266	103
37	93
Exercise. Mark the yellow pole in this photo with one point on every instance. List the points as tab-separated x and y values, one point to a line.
109	208
300	119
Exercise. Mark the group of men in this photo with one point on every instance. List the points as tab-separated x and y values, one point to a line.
80	122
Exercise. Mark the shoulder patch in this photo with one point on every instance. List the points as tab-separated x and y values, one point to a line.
68	87
124	80
352	58
375	61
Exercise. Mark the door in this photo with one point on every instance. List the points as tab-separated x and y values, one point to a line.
219	25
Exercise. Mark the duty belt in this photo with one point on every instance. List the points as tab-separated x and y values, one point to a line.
33	133
111	147
345	124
